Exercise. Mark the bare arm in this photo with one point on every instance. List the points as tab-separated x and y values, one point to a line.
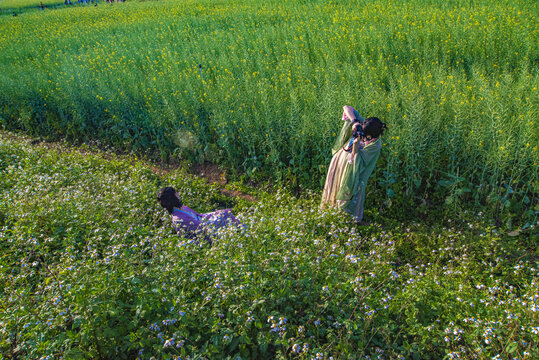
349	111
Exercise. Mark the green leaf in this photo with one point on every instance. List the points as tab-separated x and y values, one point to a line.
511	348
234	343
514	233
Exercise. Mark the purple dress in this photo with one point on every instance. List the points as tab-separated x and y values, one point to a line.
187	221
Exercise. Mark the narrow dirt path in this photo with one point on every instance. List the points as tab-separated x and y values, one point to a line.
212	173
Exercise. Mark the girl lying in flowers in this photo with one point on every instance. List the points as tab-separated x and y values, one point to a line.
189	223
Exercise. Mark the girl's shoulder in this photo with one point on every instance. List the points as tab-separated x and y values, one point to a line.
374	143
189	210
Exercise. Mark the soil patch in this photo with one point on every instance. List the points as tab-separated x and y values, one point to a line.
211	172
215	175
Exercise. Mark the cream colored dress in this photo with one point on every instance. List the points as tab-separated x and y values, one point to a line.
348	174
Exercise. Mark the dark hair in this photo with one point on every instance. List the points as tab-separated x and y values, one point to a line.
373	127
168	199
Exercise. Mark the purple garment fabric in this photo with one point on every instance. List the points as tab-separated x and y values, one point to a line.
188	220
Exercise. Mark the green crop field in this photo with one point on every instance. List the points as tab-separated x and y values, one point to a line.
455	80
446	267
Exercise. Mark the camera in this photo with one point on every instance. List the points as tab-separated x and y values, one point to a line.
358	132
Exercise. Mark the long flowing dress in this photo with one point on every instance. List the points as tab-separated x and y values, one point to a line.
348	172
189	223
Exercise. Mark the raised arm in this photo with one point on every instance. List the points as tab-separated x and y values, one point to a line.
351	114
342	137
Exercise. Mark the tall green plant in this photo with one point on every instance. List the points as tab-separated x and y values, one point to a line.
259	87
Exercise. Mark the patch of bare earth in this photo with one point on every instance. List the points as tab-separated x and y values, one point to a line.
215	175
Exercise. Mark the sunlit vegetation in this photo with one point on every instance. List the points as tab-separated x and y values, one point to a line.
455	81
446	266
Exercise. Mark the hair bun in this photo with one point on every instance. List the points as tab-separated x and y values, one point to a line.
384	126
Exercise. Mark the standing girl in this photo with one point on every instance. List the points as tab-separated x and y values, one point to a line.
355	153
